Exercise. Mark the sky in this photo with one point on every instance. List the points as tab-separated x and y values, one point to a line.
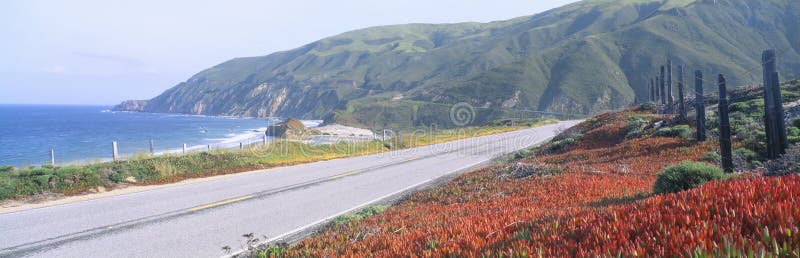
106	51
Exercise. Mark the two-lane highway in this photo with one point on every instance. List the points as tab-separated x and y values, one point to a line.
198	219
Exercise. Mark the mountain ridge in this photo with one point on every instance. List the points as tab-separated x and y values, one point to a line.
583	58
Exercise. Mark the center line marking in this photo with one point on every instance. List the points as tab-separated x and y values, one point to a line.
347	174
221	203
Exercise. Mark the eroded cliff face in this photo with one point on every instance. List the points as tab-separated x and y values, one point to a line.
583	58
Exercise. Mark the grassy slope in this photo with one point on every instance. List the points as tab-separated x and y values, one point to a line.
584	57
590	197
171	168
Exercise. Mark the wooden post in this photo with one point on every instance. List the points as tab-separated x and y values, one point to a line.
724	127
700	105
208	147
184	148
652	90
152	149
114	152
681	104
661	87
773	107
655	87
241	146
779	113
264	141
670	98
52	157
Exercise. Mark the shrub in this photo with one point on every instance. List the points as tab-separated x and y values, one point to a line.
648	106
685	176
683	131
635	128
7	189
364	213
6	169
559	145
712	157
748	155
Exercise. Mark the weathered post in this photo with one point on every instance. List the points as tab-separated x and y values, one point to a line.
781	123
241	146
264	140
208	146
773	107
681	104
724	127
52	157
670	98
184	148
152	149
652	90
700	105
114	150
655	87
661	86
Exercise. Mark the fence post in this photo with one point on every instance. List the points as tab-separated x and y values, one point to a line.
241	146
264	142
209	147
773	107
114	152
184	148
681	104
152	150
661	86
780	123
700	105
670	98
652	91
724	127
52	157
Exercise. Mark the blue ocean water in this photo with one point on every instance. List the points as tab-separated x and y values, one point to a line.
80	134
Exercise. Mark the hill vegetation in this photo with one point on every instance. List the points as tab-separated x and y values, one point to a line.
589	192
582	58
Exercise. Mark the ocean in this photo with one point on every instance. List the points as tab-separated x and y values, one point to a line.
81	134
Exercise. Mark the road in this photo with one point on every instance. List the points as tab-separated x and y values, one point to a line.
198	219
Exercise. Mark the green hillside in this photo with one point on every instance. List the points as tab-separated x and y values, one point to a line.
581	58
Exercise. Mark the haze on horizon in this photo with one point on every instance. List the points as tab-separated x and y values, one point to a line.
103	52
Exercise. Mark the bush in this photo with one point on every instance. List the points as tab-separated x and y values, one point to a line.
559	145
712	157
635	128
683	131
366	212
648	106
685	176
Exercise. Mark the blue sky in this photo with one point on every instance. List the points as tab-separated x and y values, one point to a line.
103	52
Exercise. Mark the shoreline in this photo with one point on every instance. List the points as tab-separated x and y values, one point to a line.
87	146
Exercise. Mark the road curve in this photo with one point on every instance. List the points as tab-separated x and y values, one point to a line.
197	220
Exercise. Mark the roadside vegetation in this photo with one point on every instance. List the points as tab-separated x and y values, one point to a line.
144	169
629	183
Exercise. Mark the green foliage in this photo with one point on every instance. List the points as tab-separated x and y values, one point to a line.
364	213
277	250
561	144
748	155
685	176
712	157
636	126
683	131
648	106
